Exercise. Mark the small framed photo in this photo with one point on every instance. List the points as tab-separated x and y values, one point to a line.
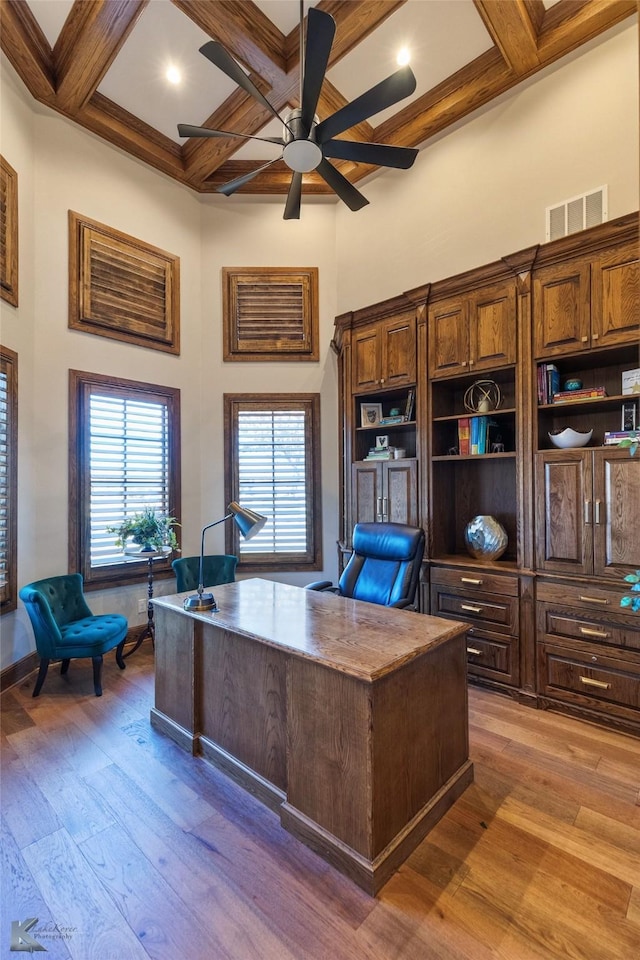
382	441
370	414
629	415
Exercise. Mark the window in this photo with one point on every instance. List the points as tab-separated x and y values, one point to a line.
272	457
123	456
8	477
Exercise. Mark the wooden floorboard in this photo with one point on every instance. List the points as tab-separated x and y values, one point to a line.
124	847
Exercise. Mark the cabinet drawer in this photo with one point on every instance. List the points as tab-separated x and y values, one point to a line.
557	622
597	681
588	597
492	655
472	581
494	612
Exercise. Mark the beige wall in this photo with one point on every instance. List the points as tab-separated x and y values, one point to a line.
472	196
480	191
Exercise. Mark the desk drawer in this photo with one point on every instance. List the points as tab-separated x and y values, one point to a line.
491	655
591	680
555	622
486	610
476	581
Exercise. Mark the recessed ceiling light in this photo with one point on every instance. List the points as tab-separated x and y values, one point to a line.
173	75
403	57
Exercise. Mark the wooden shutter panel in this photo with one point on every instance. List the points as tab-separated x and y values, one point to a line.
270	313
8	233
122	288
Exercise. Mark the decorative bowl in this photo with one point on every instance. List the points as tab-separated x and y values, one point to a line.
573	383
485	537
570	438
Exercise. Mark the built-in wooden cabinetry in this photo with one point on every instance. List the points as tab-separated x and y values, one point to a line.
545	622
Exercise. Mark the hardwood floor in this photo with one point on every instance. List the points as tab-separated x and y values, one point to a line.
135	850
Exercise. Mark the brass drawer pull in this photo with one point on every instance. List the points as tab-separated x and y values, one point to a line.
474	651
476	583
588	682
595	600
469	608
589	632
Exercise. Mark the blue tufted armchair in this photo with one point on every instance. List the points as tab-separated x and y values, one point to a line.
216	568
65	628
384	567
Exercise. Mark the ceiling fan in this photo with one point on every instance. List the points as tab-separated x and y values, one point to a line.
307	142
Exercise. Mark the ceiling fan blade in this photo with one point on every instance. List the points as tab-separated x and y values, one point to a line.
379	154
399	85
292	206
187	130
340	185
216	53
321	28
233	185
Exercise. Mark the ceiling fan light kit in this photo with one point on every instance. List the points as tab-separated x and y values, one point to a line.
307	143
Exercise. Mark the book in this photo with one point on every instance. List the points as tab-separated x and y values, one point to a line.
474	435
553	381
482	434
408	411
585	393
390	421
464	445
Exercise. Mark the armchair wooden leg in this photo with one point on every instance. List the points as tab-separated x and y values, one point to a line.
119	657
97	675
42	672
64	667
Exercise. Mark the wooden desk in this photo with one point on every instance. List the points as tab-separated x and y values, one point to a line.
348	718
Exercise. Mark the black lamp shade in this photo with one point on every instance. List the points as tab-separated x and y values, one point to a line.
248	521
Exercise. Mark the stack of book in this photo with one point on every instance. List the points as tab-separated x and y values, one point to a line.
575	396
379	453
613	437
548	382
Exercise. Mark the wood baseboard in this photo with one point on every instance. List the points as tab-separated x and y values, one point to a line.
16	672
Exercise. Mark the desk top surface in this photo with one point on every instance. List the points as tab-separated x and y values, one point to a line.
364	640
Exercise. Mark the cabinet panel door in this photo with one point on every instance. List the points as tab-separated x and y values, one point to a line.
400	493
366	358
448	337
366	492
398	350
564	511
616	525
492	327
561	308
615	297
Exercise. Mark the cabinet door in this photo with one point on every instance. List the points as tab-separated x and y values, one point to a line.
564	511
615	297
366	358
561	308
616	516
400	491
448	337
398	351
492	327
366	492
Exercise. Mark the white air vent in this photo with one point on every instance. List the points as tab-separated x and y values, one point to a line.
578	213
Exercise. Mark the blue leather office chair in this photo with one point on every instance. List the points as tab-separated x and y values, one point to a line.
216	568
65	628
384	567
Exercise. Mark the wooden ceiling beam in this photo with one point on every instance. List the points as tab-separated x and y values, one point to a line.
512	31
90	39
27	49
569	24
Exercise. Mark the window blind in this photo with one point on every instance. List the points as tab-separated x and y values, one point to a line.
272	477
129	465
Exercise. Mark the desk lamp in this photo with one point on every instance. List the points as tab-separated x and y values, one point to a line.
249	523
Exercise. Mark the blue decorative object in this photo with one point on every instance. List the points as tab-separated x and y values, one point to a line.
574	383
486	538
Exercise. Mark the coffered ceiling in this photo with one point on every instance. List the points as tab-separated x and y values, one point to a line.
102	63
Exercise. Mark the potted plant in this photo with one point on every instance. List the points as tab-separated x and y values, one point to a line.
149	530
